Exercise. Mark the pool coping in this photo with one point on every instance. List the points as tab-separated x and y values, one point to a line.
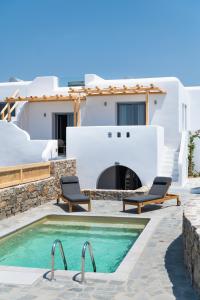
121	274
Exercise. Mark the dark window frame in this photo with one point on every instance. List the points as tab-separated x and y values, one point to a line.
132	103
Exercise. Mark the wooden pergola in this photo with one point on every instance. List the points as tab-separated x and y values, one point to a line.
74	98
118	91
76	95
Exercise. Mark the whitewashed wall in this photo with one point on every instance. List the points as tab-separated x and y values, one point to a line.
7	89
164	110
39	123
183	159
45	85
184	99
17	148
194	94
197	155
95	151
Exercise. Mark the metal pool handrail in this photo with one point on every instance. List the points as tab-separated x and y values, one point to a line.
53	256
87	244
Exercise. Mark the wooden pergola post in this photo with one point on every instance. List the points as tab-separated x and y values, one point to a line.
78	114
147	108
9	112
75	113
79	111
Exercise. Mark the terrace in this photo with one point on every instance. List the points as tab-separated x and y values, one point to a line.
158	271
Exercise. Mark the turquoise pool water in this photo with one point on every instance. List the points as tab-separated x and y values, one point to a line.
31	247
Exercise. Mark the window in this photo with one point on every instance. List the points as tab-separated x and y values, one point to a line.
131	113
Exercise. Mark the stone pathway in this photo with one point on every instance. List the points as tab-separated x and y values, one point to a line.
159	273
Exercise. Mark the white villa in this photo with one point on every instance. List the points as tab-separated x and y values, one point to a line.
117	130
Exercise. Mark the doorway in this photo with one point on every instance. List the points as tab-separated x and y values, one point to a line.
61	121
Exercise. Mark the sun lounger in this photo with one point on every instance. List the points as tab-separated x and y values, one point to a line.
71	192
156	195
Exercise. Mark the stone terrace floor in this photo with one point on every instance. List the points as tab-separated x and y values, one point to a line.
159	274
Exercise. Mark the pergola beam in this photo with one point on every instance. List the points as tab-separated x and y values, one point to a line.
82	93
45	98
113	90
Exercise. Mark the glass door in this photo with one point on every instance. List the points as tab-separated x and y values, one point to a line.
62	120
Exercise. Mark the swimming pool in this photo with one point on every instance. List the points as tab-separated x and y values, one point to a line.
111	239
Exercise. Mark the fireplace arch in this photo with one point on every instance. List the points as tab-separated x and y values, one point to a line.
118	178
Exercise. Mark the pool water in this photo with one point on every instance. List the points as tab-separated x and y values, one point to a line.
31	247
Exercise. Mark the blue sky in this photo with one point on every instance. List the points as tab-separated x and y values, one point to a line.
112	38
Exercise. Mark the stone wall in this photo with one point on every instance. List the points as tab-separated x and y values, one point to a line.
191	241
99	194
19	198
61	168
22	197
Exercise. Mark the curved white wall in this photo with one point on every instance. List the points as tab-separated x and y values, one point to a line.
17	148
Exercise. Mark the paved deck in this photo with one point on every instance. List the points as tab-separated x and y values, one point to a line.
159	273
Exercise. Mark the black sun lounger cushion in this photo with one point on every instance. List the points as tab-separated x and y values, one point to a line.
69	179
77	198
160	186
142	198
70	185
71	189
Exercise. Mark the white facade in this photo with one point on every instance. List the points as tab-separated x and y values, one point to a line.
98	148
177	112
37	118
163	109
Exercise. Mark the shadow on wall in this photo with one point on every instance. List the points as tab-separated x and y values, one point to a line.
174	263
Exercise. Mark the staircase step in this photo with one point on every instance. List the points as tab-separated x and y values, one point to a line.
170	164
168	167
165	168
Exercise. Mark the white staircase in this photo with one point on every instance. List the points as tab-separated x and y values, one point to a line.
169	166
